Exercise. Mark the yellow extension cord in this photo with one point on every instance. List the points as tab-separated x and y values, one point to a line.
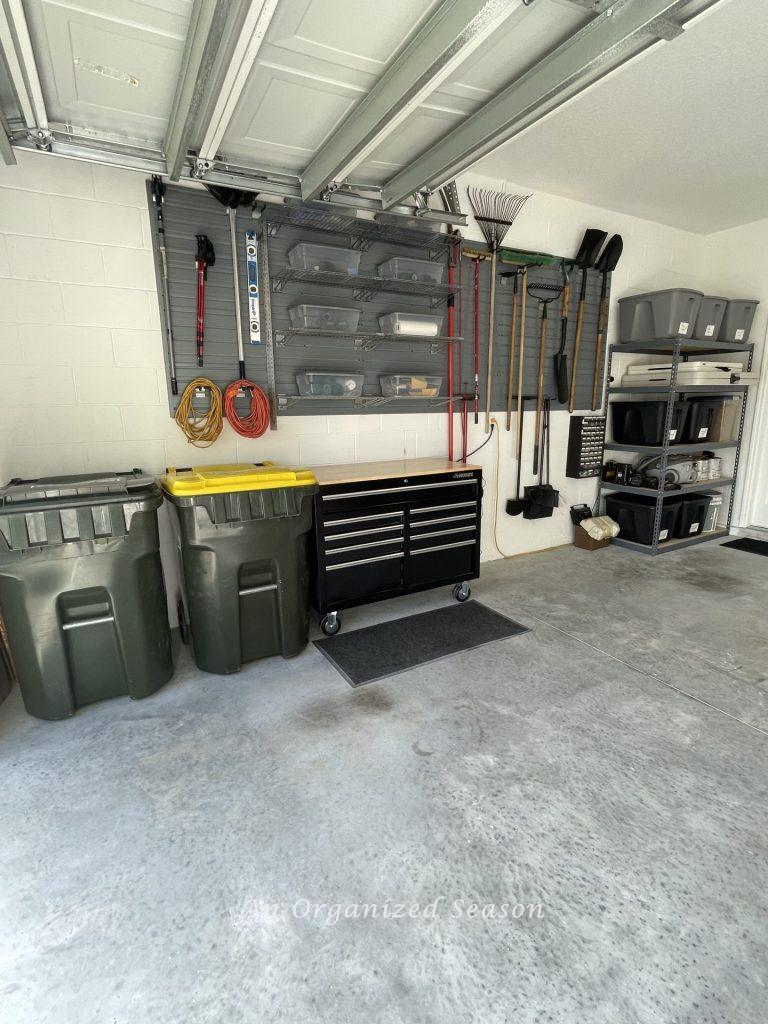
200	429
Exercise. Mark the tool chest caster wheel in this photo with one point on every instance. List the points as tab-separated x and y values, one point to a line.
330	623
462	592
183	624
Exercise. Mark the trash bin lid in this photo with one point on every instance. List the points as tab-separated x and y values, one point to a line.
83	489
248	476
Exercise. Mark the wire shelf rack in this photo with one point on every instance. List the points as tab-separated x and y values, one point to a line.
363	287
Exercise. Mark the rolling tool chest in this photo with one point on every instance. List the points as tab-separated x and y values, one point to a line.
383	529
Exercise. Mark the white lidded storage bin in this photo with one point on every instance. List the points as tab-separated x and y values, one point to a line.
417	324
328	384
410	384
330	258
400	268
324	318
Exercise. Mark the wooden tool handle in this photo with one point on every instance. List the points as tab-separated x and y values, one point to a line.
602	321
576	350
512	339
524	290
539	390
491	314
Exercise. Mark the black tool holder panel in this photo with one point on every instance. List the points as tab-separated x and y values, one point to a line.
503	317
381	538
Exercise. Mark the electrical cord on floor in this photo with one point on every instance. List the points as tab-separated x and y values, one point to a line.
256	422
200	429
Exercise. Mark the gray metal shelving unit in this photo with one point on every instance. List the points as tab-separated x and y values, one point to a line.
679	350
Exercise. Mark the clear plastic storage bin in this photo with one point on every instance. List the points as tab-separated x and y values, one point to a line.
328	384
418	324
400	268
324	318
425	386
308	256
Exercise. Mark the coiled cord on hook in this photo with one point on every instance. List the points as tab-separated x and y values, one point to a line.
256	422
200	429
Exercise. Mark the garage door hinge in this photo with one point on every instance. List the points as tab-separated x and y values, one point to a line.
200	167
42	138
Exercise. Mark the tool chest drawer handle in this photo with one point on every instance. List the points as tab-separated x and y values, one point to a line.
441	533
443	508
360	547
398	490
362	533
443	547
364	519
443	519
257	590
97	621
364	561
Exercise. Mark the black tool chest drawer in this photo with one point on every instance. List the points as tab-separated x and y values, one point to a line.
380	538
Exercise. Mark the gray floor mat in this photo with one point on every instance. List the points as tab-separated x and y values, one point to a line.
374	652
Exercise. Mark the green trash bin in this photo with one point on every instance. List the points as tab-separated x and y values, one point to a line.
81	589
242	534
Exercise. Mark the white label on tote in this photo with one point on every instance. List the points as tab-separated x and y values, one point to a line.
663	534
703	431
673	434
740	335
683	328
694	528
710	330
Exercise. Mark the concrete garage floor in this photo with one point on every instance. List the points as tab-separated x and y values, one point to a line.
161	861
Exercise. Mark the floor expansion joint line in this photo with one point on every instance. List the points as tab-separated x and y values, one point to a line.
652	675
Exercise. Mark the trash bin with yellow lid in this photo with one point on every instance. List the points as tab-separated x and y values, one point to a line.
242	534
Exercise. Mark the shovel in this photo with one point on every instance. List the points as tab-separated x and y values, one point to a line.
606	265
560	359
585	258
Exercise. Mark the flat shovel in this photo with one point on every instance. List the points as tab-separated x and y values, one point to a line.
606	265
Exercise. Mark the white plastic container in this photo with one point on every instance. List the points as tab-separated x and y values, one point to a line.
400	268
417	324
308	256
327	384
410	384
324	318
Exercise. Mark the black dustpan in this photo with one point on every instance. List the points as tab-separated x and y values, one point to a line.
541	498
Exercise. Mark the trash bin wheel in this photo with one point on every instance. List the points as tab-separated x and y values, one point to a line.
330	623
183	625
462	592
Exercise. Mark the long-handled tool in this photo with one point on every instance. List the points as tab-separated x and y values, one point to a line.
545	293
517	504
512	340
476	333
158	194
520	359
606	265
495	213
206	257
585	258
541	498
560	359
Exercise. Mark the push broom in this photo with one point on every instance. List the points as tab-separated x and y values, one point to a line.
495	213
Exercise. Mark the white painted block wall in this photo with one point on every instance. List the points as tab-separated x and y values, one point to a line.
81	353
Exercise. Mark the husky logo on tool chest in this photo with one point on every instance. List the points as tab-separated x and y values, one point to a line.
462	476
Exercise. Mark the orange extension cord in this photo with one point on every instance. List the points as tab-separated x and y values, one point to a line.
256	422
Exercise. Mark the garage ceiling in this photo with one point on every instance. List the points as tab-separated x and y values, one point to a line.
360	102
679	137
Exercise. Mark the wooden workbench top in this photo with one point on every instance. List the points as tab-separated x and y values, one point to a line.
356	472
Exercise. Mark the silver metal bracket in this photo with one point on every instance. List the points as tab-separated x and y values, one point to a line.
200	168
42	138
665	28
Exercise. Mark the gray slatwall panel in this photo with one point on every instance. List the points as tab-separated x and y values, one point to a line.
189	212
503	316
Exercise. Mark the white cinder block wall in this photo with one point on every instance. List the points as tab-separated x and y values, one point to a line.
81	352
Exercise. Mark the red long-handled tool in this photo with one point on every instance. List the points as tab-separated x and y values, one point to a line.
476	334
206	257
